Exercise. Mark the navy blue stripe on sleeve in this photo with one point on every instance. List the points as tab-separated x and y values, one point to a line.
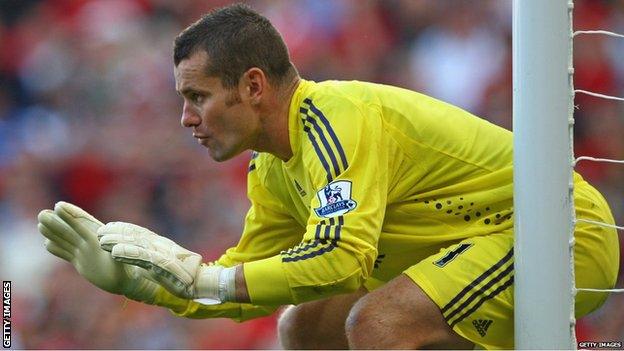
321	135
321	246
319	153
340	224
301	247
328	228
332	245
330	130
317	235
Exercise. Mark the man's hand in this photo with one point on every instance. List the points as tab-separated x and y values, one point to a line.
71	235
177	269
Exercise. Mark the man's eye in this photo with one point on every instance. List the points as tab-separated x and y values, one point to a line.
195	98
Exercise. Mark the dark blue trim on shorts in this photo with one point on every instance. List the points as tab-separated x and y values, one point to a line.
478	280
508	271
498	290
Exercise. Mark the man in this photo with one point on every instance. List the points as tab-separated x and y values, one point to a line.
384	215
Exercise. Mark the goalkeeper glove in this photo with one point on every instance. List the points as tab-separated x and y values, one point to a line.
177	269
71	235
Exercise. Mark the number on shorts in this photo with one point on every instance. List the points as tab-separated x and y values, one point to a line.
451	255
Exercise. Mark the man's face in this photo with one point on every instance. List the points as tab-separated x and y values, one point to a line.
220	120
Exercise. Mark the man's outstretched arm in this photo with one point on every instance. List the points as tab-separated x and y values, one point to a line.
71	234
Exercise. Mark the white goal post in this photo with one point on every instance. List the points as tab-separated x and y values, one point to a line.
543	158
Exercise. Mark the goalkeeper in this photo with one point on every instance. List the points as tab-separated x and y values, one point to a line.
385	216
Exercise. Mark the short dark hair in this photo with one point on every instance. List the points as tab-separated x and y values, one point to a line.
236	38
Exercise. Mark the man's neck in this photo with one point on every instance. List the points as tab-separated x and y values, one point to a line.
275	138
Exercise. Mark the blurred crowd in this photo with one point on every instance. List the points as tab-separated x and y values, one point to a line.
89	115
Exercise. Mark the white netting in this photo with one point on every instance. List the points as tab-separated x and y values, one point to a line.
601	32
600	223
603	96
595	159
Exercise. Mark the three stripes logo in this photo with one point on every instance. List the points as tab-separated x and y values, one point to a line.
302	192
482	325
485	287
324	140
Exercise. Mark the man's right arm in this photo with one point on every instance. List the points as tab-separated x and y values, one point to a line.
268	230
263	235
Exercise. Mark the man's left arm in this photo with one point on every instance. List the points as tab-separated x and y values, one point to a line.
347	159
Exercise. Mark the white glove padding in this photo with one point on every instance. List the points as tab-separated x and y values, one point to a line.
71	235
177	269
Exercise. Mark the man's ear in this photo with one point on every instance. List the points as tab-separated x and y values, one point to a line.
254	84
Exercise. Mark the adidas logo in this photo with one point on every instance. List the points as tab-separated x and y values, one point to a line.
302	192
482	325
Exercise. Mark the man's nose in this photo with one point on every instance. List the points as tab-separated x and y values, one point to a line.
189	117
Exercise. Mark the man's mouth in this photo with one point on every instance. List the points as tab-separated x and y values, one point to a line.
203	140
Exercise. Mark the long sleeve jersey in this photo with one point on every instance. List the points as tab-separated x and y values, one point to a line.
380	178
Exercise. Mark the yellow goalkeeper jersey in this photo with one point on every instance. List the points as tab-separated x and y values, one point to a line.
380	178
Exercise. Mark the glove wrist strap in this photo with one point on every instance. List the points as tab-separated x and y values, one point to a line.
227	284
216	284
207	285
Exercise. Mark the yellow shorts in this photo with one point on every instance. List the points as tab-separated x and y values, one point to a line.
472	281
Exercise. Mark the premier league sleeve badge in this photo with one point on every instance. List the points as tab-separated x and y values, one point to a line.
335	199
